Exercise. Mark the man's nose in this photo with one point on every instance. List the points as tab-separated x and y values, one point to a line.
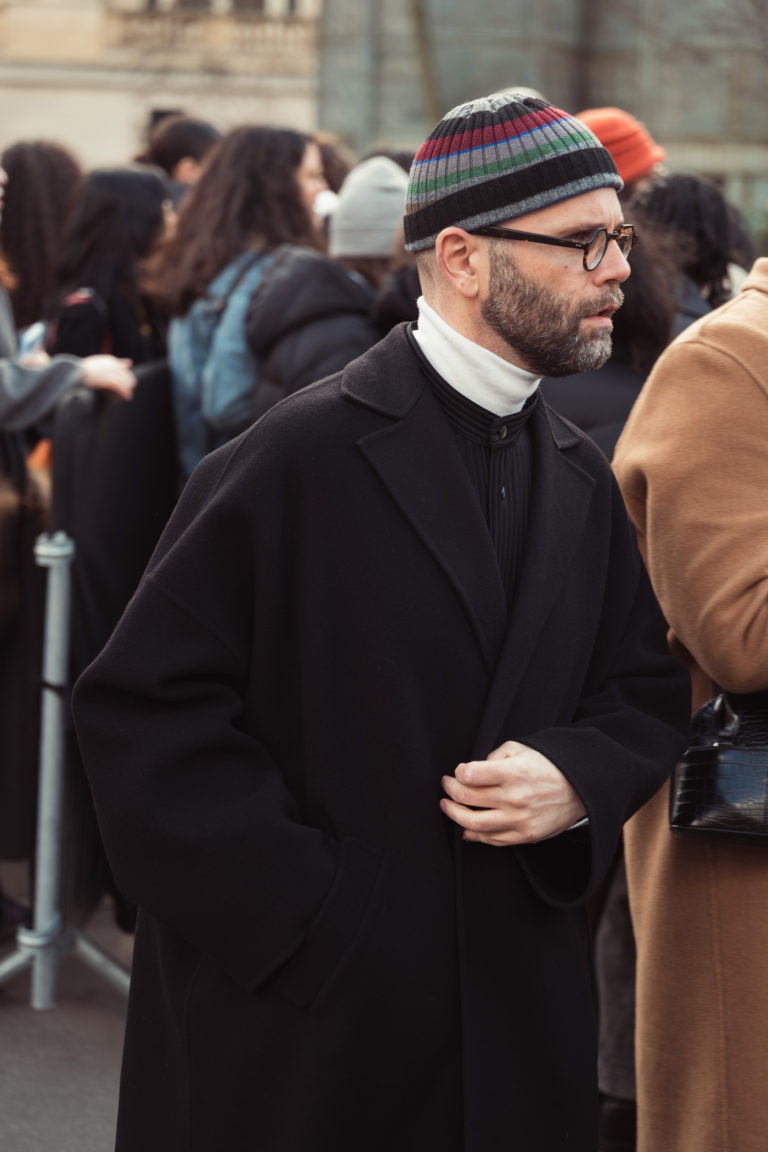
613	265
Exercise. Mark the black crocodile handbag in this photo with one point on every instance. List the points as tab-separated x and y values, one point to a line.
720	785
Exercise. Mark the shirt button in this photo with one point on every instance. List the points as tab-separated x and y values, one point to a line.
503	432
503	493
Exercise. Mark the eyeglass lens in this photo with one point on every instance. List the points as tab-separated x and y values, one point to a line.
597	248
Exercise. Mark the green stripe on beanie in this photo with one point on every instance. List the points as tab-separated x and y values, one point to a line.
496	158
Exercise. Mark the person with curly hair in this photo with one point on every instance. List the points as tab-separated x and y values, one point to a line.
711	234
313	314
255	194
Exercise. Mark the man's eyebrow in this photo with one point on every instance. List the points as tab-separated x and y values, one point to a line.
585	227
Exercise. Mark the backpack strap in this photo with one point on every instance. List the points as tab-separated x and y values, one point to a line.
220	304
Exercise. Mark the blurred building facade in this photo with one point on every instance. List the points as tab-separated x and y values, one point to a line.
94	74
696	75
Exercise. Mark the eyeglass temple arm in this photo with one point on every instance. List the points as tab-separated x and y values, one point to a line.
532	237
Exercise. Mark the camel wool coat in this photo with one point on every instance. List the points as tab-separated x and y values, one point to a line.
321	962
693	466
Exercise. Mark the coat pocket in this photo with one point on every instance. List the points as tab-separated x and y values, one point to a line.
301	979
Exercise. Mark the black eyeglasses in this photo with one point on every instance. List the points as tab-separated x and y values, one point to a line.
593	249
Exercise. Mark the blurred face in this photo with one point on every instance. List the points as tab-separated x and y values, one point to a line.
309	176
170	219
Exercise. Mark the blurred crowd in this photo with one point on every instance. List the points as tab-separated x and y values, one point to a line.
230	269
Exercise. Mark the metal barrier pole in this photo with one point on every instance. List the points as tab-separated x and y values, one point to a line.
43	940
44	946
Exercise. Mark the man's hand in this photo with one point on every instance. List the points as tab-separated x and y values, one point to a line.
110	374
521	795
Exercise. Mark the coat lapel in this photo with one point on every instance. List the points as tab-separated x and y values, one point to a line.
560	499
416	459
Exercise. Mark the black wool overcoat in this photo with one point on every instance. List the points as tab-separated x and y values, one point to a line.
321	963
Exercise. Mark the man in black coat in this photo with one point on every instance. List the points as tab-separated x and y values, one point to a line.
365	738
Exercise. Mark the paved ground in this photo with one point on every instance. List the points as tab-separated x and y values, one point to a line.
59	1069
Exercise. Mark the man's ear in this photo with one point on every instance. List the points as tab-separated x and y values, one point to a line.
459	258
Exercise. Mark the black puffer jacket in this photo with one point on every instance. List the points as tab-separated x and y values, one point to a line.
597	401
308	318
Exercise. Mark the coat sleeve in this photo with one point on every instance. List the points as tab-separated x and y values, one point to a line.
627	729
620	748
693	467
198	825
28	395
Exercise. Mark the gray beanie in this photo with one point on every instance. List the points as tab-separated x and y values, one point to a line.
369	209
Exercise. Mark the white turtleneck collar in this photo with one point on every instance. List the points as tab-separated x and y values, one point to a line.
474	371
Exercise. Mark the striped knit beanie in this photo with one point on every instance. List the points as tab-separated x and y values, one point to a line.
499	157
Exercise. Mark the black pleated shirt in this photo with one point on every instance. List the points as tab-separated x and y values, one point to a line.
496	451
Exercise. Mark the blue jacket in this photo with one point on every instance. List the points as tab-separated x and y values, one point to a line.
214	372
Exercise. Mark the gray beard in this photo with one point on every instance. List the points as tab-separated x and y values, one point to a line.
538	326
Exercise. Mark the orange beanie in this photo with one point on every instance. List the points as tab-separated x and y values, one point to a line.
633	149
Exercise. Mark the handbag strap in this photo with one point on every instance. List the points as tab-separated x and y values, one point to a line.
747	716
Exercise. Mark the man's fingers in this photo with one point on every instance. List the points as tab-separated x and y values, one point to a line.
481	774
485	826
463	794
483	795
485	821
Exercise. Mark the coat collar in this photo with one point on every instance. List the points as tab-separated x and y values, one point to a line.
415	457
384	380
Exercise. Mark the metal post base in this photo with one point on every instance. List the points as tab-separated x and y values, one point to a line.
43	953
102	963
